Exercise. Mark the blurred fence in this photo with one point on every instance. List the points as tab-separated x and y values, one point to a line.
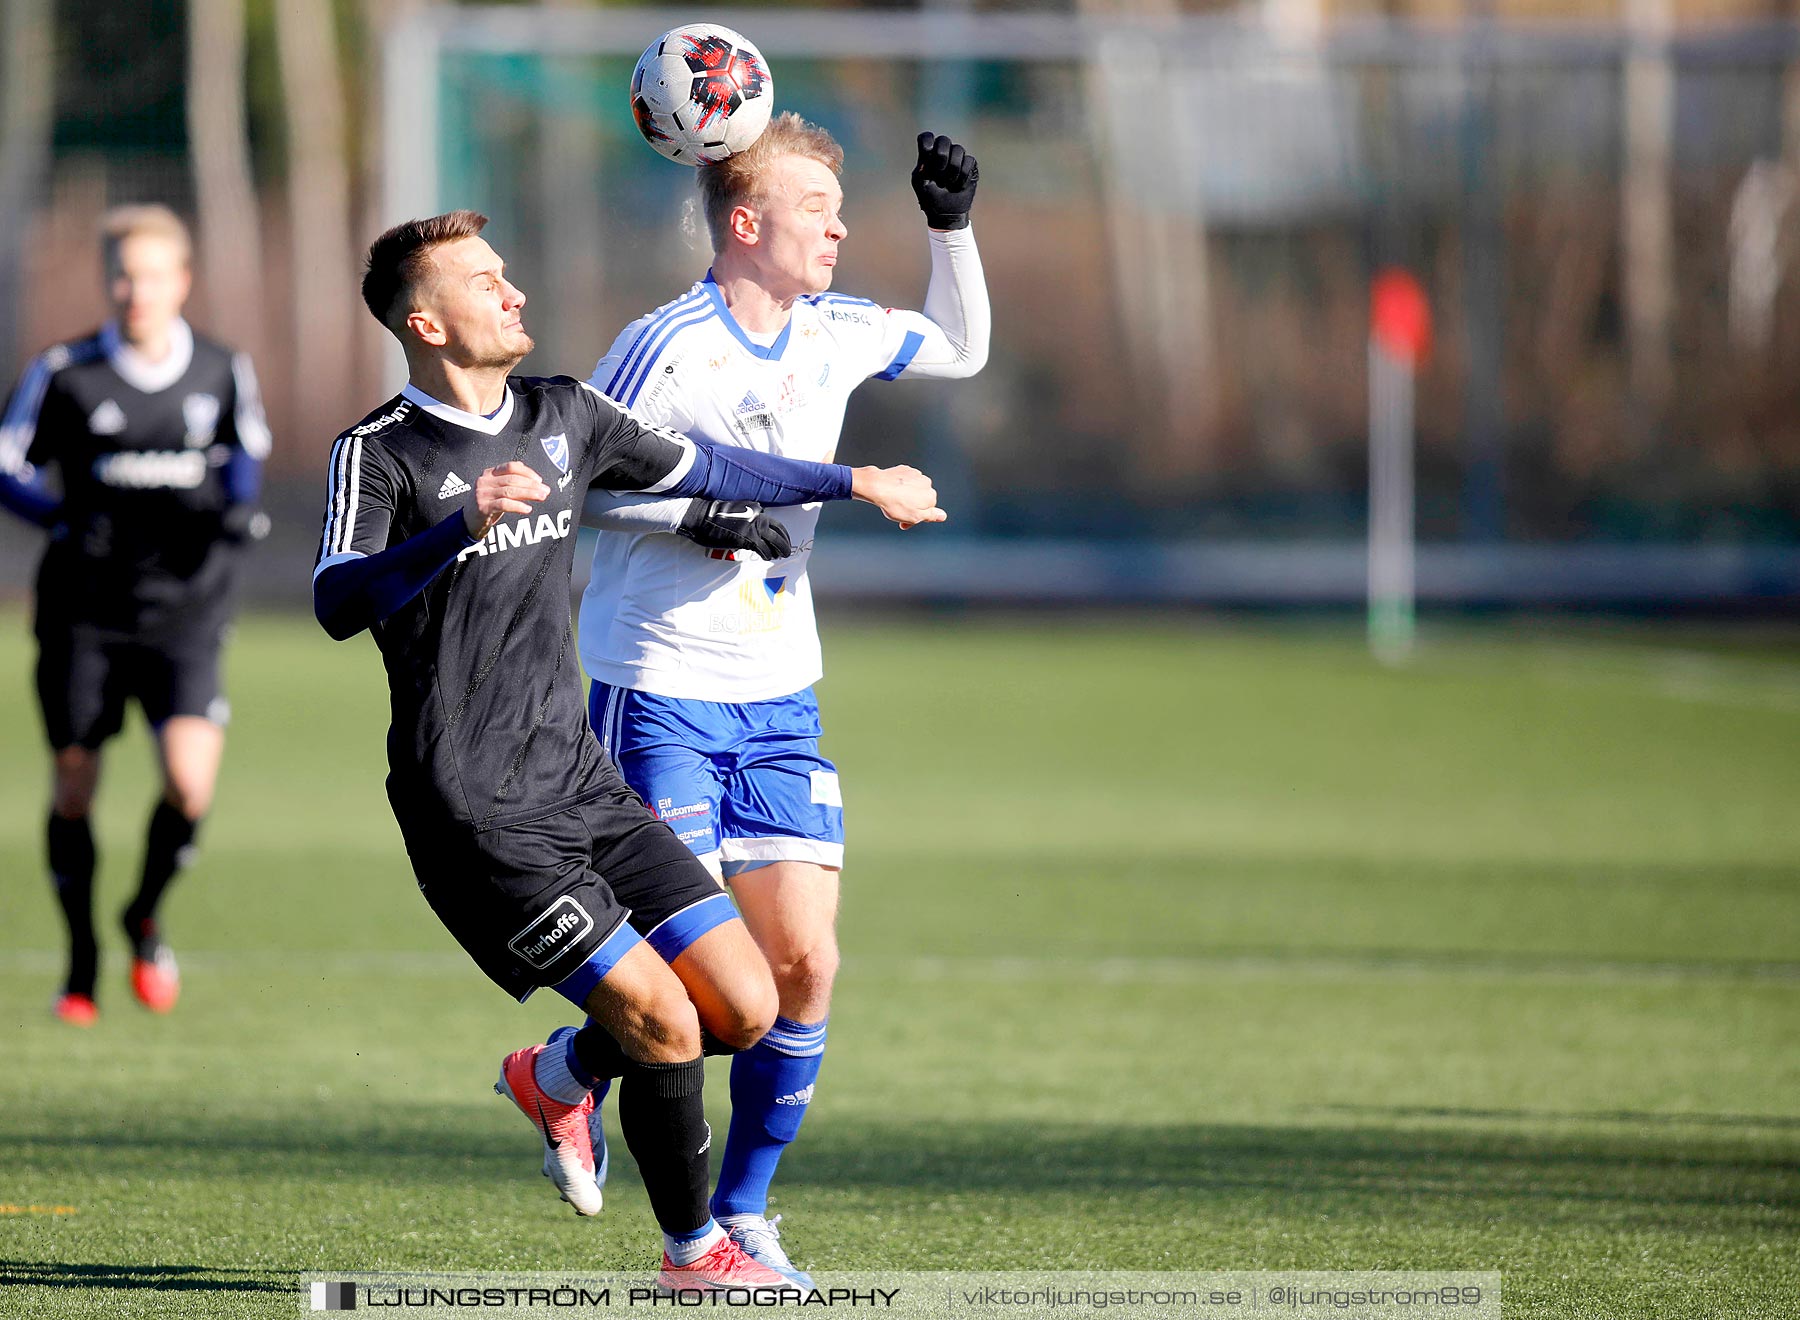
1179	221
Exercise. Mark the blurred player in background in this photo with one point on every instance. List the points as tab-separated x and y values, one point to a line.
157	439
703	663
449	532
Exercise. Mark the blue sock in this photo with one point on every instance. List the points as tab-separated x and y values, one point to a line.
771	1087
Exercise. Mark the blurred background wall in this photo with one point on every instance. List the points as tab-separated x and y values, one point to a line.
1181	209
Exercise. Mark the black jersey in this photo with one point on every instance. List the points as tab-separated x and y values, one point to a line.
146	454
489	722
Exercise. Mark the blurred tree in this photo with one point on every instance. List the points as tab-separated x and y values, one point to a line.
380	368
225	194
323	304
1159	257
1648	222
27	106
569	162
1758	210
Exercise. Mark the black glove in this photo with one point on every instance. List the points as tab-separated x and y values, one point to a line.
240	523
734	525
944	179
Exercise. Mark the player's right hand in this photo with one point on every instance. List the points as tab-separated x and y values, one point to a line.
904	494
735	525
510	488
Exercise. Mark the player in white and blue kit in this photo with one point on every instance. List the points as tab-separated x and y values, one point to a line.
703	661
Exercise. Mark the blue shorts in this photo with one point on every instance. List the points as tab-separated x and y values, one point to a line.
741	783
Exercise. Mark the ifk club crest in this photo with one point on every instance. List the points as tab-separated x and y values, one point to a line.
200	414
557	447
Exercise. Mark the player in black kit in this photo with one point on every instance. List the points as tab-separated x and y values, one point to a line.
156	438
449	532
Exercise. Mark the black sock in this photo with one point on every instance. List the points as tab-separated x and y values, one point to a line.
601	1058
663	1118
166	851
71	849
598	1053
711	1046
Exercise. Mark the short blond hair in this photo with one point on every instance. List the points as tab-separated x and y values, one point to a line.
732	182
150	219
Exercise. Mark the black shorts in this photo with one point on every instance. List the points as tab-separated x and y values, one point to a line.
85	678
559	900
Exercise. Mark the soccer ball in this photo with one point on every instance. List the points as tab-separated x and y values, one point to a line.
701	92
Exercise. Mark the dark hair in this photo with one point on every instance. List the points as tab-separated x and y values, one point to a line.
397	260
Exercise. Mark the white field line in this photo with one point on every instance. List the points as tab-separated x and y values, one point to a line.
293	965
1692	676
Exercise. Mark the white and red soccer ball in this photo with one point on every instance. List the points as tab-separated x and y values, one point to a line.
701	92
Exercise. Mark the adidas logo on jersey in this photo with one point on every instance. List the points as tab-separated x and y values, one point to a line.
801	1097
107	419
749	403
453	485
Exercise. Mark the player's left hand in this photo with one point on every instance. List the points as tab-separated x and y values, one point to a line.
241	523
735	525
512	487
944	180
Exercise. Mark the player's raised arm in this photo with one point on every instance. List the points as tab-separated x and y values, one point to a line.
944	181
634	456
949	338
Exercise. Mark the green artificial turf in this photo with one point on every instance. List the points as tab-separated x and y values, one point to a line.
1167	948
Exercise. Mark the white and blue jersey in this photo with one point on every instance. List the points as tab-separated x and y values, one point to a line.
663	618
